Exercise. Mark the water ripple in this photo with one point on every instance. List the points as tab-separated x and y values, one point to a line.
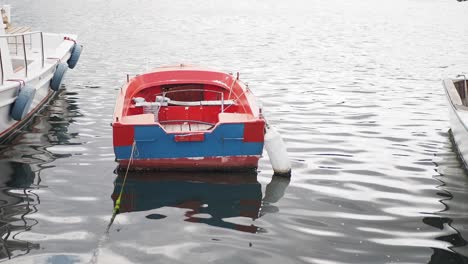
353	88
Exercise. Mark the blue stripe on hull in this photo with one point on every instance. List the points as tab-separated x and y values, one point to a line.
153	143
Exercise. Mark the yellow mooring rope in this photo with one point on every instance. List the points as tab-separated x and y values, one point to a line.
117	202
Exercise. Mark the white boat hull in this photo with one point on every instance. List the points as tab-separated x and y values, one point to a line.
29	59
458	114
40	80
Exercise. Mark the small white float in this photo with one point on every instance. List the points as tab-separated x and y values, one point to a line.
277	152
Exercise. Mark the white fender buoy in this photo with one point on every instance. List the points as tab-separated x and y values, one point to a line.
22	103
58	76
276	150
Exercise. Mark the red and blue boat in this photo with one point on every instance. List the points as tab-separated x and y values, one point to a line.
187	118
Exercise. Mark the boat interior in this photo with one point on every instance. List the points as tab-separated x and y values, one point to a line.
462	90
189	107
19	41
23	51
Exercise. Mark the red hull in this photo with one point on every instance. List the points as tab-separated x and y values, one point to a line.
208	163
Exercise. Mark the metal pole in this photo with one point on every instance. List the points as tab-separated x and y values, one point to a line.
25	58
42	49
1	65
222	103
465	90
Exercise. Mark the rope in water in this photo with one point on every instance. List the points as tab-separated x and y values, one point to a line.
105	237
116	210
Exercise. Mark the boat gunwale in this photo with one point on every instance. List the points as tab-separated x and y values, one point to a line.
192	132
123	98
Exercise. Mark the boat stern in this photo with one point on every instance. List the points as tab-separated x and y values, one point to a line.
227	146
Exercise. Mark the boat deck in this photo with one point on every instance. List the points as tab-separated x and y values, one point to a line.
186	127
17	29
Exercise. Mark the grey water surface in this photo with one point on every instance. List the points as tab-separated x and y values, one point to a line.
353	86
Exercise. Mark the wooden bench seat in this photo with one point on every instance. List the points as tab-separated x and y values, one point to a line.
234	117
186	127
17	30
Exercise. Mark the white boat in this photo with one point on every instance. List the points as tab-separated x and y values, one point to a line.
456	91
32	66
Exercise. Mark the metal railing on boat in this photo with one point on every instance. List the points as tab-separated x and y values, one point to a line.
23	43
196	90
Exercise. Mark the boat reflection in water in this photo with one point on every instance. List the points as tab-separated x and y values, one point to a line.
17	202
219	195
450	222
21	163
